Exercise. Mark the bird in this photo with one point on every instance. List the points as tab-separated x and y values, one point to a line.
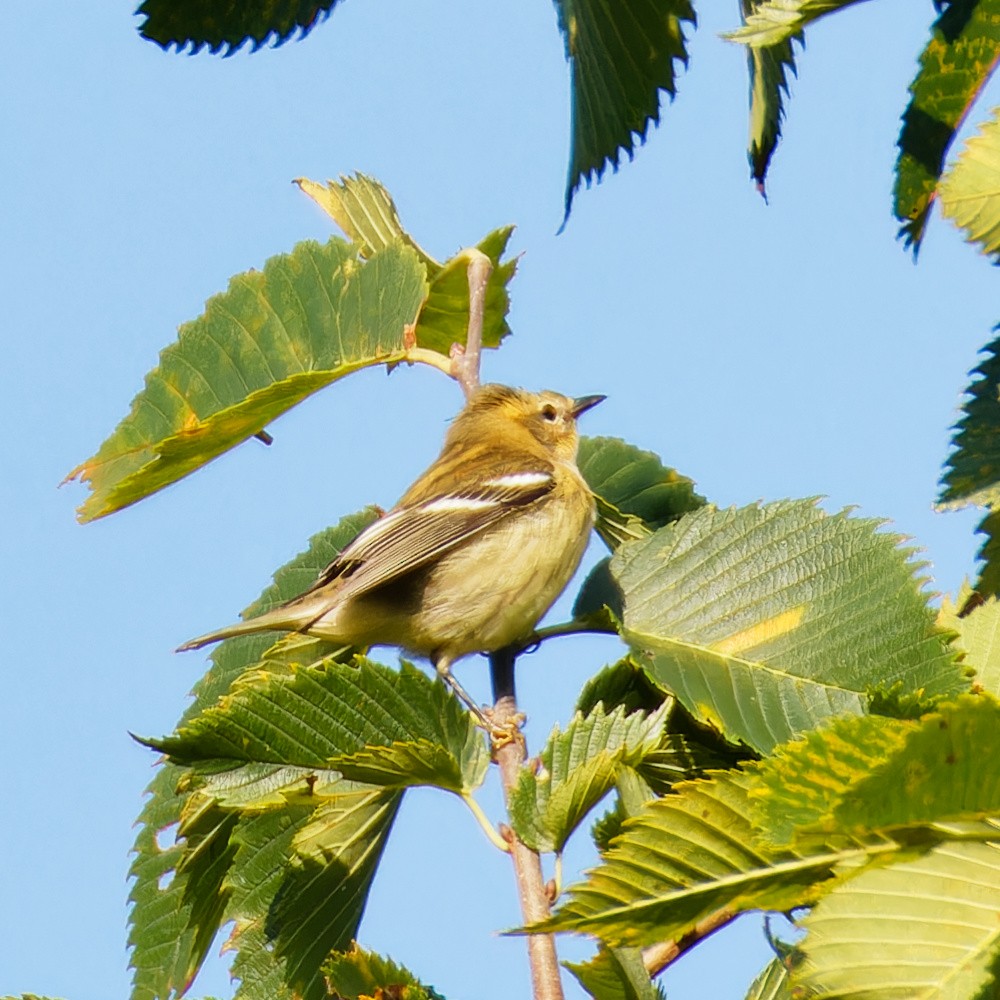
474	553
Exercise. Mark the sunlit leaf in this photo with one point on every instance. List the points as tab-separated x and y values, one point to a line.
684	857
578	768
616	974
954	67
167	932
367	214
769	68
225	27
924	928
774	21
979	638
622	56
319	903
970	189
322	714
357	974
275	337
766	620
802	782
870	776
772	983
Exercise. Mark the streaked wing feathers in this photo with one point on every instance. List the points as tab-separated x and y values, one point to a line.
409	537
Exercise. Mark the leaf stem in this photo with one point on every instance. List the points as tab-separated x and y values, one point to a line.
425	356
545	981
488	828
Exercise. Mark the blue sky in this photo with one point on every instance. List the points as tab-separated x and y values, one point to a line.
790	349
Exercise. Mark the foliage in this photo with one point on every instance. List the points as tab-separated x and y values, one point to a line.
791	727
625	56
309	318
972	473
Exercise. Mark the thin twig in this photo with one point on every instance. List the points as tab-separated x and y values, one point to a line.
658	956
465	360
568	628
545	981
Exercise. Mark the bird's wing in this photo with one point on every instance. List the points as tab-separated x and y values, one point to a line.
417	533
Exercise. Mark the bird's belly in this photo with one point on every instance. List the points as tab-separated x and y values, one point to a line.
492	591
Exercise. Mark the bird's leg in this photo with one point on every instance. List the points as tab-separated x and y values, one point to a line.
499	735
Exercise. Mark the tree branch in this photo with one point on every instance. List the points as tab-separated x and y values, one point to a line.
658	956
465	360
545	980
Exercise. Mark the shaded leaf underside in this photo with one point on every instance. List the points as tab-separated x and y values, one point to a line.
225	25
954	67
622	54
972	472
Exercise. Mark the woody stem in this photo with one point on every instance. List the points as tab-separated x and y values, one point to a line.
465	361
545	981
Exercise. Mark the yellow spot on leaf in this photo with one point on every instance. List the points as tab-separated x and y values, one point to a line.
762	632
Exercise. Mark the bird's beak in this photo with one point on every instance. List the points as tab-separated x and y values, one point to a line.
583	403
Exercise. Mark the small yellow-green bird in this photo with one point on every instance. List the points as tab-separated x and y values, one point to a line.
474	553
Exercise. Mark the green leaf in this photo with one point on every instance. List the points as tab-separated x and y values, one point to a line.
442	745
225	27
979	638
871	776
264	851
319	903
632	486
622	55
948	770
970	187
356	974
623	684
261	976
166	929
577	769
683	858
772	983
802	782
774	21
972	473
768	68
616	974
361	718
275	337
366	212
924	928
954	67
444	317
989	574
765	620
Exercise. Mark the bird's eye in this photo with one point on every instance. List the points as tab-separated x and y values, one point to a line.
549	412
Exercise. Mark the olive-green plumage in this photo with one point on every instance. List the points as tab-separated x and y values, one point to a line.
474	553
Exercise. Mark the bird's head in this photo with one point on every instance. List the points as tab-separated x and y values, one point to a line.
549	417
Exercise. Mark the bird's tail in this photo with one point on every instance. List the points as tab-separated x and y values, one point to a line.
280	619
